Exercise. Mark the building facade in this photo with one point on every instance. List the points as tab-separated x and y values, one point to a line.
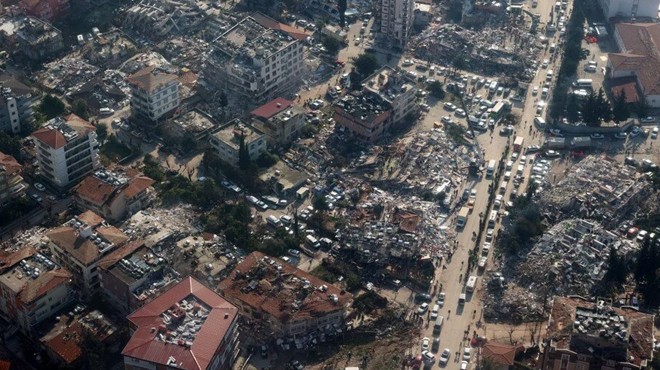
630	8
16	104
397	17
38	39
159	340
280	119
258	59
226	141
32	289
67	150
12	185
279	307
154	93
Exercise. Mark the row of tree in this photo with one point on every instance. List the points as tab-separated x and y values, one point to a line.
596	109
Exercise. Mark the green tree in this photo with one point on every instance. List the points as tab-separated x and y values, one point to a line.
341	8
51	106
223	99
642	108
366	64
10	144
620	111
572	109
455	12
590	114
436	90
647	272
101	131
243	154
617	271
604	109
80	108
332	45
459	62
319	203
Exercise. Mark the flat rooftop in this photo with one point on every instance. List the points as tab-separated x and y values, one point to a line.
388	83
231	133
250	38
194	122
363	107
23	267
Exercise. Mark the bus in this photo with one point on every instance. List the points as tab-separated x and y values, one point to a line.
518	143
471	284
498	110
584	83
490	170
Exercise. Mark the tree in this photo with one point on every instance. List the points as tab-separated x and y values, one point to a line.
80	108
51	106
590	113
573	109
617	271
459	62
436	89
331	45
341	8
366	64
642	107
647	272
243	154
10	145
223	99
620	110
604	109
101	131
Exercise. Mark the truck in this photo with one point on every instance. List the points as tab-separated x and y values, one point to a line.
471	283
312	242
518	143
462	217
493	87
490	170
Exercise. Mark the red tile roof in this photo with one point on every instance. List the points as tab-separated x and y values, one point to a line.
9	163
5	365
501	354
272	108
641	54
276	298
66	343
52	138
137	185
46	282
120	253
145	345
275	25
95	190
150	78
8	261
627	84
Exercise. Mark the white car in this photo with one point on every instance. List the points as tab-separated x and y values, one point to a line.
648	119
597	136
39	186
441	299
444	357
654	133
423	308
428	356
460	113
467	354
407	63
426	342
464	365
535	91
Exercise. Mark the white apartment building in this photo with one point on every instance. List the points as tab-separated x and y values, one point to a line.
630	8
67	149
16	102
397	17
226	141
394	88
257	59
154	93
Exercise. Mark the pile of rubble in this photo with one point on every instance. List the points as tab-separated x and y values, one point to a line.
570	258
600	189
66	73
491	51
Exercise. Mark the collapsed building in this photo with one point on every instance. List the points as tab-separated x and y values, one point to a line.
38	39
285	300
258	59
158	18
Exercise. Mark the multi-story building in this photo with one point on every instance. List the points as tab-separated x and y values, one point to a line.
637	59
154	93
227	141
32	288
38	39
67	149
133	275
387	97
113	195
45	9
397	17
80	243
11	181
188	327
16	104
283	298
585	335
630	8
281	121
257	59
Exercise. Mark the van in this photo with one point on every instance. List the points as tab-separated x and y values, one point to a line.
503	187
438	322
312	242
461	299
106	111
490	170
273	221
492	219
434	311
548	75
539	121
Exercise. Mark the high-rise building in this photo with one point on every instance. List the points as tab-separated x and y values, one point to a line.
396	20
67	149
154	93
16	103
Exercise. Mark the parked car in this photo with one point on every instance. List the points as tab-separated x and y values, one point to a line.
426	343
444	357
648	119
39	186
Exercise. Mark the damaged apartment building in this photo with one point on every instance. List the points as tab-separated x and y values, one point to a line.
594	335
285	300
386	98
281	121
17	103
257	60
38	39
158	18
